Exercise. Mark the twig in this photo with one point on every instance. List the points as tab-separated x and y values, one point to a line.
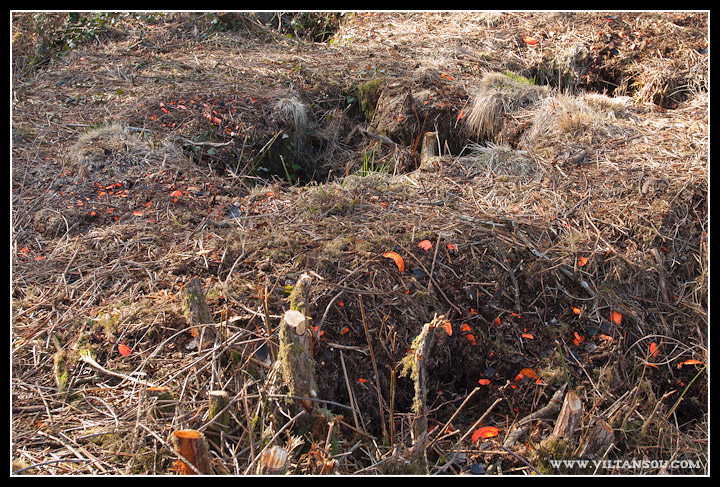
452	418
204	143
374	365
381	138
513	280
350	393
432	267
480	420
85	356
50	462
430	277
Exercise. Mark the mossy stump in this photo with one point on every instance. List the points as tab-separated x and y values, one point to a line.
415	365
295	365
195	309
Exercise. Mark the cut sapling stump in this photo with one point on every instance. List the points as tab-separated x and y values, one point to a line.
192	447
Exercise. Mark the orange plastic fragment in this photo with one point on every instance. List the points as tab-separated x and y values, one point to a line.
396	257
425	245
485	432
526	372
691	361
445	325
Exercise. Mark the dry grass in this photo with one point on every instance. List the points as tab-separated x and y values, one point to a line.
500	97
511	219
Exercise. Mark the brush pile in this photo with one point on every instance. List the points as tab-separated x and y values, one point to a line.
200	200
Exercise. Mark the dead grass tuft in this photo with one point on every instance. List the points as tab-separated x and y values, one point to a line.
498	98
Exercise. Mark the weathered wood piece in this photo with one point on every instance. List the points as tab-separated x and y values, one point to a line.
546	412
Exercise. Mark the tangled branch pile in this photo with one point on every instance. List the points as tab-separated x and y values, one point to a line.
553	248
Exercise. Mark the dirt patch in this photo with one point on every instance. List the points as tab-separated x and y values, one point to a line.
561	232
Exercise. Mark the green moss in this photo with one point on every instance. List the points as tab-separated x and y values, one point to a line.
556	449
368	96
519	78
60	369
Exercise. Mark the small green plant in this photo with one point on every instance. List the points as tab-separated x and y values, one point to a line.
40	38
520	78
370	165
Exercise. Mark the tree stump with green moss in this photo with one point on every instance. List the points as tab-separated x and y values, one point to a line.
197	314
415	365
217	403
295	365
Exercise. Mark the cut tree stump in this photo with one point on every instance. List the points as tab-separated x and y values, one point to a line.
218	400
274	461
568	421
295	361
196	312
600	438
429	152
415	364
193	448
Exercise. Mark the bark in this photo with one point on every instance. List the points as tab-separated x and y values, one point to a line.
193	448
196	312
568	422
428	152
600	438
